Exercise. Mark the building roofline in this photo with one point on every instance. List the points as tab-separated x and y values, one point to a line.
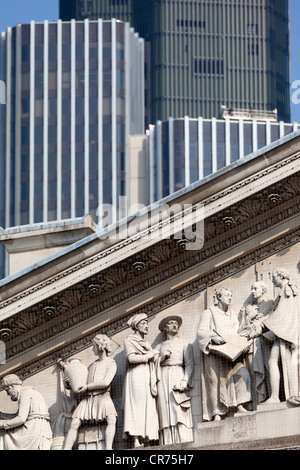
177	197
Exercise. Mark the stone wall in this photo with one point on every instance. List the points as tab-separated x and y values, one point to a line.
190	309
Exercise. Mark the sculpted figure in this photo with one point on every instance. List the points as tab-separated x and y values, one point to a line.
175	374
67	403
30	428
226	383
285	324
251	320
96	406
140	390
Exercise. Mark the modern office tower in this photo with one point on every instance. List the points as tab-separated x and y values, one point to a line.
75	94
94	9
206	54
183	151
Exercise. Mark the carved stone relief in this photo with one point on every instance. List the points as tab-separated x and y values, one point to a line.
245	376
93	422
148	271
140	387
29	428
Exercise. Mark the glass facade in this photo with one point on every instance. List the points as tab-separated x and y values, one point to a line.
183	151
75	94
205	54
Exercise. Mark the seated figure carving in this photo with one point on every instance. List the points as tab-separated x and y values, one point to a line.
29	428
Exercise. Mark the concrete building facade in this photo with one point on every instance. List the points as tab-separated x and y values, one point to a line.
207	54
75	94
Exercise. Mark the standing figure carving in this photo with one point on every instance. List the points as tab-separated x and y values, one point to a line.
140	389
251	319
96	406
285	324
175	380
29	428
226	383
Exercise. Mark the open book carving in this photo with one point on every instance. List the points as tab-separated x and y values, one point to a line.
235	345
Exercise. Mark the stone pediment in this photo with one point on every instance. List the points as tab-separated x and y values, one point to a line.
245	219
251	212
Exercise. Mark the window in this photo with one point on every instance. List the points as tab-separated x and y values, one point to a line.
221	146
234	141
248	147
207	148
253	49
208	66
252	29
191	24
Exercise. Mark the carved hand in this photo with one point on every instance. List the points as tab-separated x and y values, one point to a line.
3	425
217	340
165	355
182	387
151	354
82	390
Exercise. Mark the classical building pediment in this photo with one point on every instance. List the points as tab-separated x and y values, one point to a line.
53	309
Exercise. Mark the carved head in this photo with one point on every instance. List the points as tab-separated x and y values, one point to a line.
136	319
13	386
170	324
223	296
101	343
258	289
280	276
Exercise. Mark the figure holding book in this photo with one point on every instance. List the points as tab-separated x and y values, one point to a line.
251	318
226	383
175	380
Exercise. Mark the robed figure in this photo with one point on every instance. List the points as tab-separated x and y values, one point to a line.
285	324
29	428
251	318
226	384
140	389
175	381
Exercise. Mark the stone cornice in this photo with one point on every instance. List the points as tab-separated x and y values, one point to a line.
166	253
241	219
153	308
218	202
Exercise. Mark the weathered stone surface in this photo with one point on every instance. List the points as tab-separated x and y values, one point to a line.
55	308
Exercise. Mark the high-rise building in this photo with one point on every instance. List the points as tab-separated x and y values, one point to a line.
182	151
94	9
207	54
75	94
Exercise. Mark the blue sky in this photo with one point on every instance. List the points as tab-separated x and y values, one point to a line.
23	11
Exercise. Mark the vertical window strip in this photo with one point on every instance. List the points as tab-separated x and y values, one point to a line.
171	157
114	115
214	145
187	149
8	129
152	163
17	201
86	118
59	120
31	120
200	147
127	112
100	114
241	138
73	119
45	126
227	140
